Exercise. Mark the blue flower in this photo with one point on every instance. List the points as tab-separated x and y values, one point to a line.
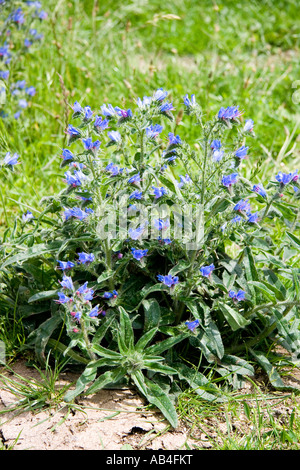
114	136
90	145
94	312
161	224
11	160
217	155
207	270
136	195
216	145
189	103
64	265
237	296
100	124
88	113
252	218
285	178
160	95
4	74
72	131
83	289
67	283
109	295
168	280
144	103
241	152
249	124
67	154
242	206
153	131
184	180
135	234
77	213
237	219
86	258
192	324
63	299
259	189
166	107
108	110
113	169
229	179
174	140
27	216
231	113
72	180
123	113
31	91
23	103
138	254
135	178
159	192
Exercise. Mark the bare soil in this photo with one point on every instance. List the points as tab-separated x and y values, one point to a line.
107	420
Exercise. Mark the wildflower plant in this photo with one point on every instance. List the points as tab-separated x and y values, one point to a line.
159	259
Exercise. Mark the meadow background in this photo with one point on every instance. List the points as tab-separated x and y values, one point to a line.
225	52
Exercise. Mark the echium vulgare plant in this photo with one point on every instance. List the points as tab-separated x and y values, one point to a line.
161	258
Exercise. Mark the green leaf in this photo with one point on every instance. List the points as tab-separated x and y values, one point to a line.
295	240
104	276
152	313
86	377
234	318
155	395
42	334
126	330
157	367
108	377
264	288
103	352
273	375
197	381
33	252
167	343
250	270
48	294
145	339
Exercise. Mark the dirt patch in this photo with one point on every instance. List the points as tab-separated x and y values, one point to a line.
112	420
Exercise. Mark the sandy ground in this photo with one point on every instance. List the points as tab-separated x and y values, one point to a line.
107	420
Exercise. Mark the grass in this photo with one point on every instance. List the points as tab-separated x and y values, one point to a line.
226	52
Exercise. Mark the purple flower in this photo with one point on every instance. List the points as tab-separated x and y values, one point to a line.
94	312
259	189
67	283
138	254
160	95
135	178
153	131
64	265
72	131
90	145
285	178
67	154
242	206
136	195
86	258
123	113
189	103
161	224
166	107
229	179
168	280
135	234
114	136
252	218
100	124
192	324
27	216
108	110
237	296
174	140
216	145
184	180
11	160
249	124
207	270
159	192
231	113
63	299
241	152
